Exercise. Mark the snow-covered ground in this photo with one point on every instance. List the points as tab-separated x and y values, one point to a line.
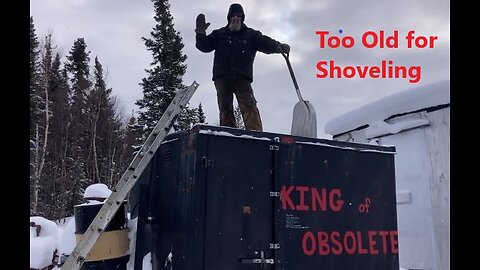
43	242
50	241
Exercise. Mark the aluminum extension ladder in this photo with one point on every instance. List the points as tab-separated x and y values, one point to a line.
129	178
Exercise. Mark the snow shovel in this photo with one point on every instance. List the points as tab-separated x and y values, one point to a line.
304	121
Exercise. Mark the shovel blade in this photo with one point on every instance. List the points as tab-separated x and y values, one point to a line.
304	121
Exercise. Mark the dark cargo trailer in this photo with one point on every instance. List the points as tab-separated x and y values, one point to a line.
218	198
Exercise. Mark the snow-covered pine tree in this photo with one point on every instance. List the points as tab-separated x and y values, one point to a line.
34	77
57	143
133	143
47	79
201	115
36	103
78	68
107	134
165	74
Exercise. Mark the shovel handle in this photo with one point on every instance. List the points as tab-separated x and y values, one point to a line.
293	76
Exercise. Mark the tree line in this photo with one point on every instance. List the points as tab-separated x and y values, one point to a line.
79	134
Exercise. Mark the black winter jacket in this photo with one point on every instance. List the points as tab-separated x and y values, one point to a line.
235	51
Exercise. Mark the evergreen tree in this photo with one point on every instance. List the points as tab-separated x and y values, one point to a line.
186	119
98	114
78	66
34	77
166	72
38	120
77	134
201	115
106	130
78	129
189	117
58	96
133	142
55	172
47	184
34	114
42	184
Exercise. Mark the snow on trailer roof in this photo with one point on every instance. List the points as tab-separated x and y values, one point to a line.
411	100
267	136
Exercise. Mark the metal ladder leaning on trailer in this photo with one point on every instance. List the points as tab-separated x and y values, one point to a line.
129	178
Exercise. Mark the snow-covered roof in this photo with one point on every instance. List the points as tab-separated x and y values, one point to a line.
414	99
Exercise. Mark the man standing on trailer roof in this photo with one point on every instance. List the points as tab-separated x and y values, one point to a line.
235	47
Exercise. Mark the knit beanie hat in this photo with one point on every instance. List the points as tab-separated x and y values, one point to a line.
235	8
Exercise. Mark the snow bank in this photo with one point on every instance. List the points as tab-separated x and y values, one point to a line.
67	238
43	245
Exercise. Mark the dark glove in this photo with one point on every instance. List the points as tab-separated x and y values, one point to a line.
201	25
285	48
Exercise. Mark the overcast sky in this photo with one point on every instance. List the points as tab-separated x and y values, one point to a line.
113	29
